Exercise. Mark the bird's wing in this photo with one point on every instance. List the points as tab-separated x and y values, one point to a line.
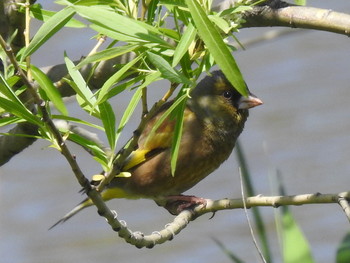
151	144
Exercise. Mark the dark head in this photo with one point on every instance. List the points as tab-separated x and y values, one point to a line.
215	97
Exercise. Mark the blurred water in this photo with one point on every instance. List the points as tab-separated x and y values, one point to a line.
302	129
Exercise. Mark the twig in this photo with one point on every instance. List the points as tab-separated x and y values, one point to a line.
100	40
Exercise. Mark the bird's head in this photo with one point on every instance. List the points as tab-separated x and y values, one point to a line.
215	97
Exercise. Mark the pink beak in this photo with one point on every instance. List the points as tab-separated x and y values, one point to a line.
249	102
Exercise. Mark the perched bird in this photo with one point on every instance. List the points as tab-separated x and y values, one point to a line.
214	117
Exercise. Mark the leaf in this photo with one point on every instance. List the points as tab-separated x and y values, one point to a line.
250	191
124	85
108	119
129	111
186	40
165	115
44	15
109	19
6	90
107	54
84	94
217	47
134	101
9	120
48	29
72	119
235	9
91	145
343	251
167	71
220	23
300	2
103	92
84	2
19	111
229	253
175	146
295	246
52	93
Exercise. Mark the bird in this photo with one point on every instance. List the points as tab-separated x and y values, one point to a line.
214	117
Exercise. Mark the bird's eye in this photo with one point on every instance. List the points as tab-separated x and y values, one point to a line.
227	94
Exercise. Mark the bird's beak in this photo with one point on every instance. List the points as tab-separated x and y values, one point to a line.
249	102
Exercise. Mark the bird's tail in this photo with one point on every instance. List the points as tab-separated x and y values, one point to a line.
106	195
75	210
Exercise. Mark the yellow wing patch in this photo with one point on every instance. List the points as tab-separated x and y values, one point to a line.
135	158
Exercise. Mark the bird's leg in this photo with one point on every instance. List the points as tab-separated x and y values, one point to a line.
175	204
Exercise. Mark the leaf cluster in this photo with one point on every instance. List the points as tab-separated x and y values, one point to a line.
172	40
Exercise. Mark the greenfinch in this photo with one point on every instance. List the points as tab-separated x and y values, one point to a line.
214	117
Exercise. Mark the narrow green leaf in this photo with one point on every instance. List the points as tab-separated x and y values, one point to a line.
128	112
250	191
44	15
103	92
19	111
6	90
134	101
109	19
91	145
217	47
123	86
165	115
76	120
108	119
300	2
85	2
220	23
116	35
186	40
229	253
81	88
343	251
235	9
9	120
176	3
175	147
107	54
170	33
46	84
48	29
295	246
167	71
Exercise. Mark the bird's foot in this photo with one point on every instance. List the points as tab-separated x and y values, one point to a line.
175	204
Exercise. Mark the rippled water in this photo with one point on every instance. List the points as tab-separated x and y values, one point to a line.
302	129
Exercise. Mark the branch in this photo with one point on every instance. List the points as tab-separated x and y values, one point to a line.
140	240
278	13
16	140
12	21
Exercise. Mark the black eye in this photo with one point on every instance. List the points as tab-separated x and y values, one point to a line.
227	94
